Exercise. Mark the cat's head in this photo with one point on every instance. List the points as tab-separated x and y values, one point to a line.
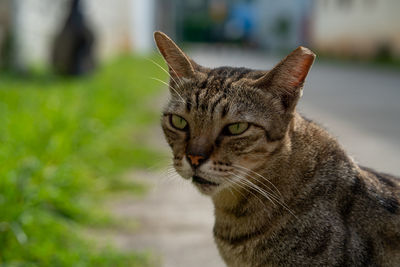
225	123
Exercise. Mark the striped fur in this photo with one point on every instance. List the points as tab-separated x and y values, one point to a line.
285	192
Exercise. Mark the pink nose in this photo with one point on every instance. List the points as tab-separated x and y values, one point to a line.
195	159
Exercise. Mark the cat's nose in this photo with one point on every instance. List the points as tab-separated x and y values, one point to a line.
198	150
195	160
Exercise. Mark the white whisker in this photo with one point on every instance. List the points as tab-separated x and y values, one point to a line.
271	192
259	175
169	87
167	72
265	194
177	76
255	187
240	183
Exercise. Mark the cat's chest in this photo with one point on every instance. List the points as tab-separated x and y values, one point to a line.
241	242
238	255
257	240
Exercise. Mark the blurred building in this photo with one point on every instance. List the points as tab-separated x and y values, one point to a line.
344	27
118	25
357	27
284	24
267	24
363	28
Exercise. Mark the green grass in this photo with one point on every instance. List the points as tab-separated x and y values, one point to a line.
63	143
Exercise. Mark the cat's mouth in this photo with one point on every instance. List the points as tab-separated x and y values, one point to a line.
201	181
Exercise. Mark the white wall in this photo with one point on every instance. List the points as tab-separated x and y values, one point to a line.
34	25
143	25
119	25
356	26
112	23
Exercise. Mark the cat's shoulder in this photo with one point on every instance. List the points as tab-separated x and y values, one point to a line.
386	179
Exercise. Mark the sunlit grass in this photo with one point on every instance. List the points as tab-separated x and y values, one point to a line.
63	143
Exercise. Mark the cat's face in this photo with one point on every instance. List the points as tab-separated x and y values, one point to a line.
228	125
225	123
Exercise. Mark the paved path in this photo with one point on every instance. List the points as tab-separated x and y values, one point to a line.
358	104
175	223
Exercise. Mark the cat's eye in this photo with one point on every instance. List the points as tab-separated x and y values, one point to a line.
237	128
178	122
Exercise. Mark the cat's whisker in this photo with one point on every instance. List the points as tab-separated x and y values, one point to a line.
280	202
259	175
239	182
165	180
167	72
234	188
277	200
244	188
161	81
230	190
171	171
181	81
170	67
272	192
171	178
256	188
171	175
157	167
170	168
159	171
268	196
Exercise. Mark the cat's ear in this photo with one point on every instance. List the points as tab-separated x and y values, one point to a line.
287	78
179	64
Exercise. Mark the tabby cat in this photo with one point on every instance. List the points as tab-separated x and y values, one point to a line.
285	192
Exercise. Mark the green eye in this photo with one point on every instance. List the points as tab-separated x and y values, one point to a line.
238	128
178	122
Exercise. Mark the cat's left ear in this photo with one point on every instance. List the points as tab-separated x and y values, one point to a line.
180	66
287	78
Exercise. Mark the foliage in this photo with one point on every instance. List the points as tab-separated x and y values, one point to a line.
62	144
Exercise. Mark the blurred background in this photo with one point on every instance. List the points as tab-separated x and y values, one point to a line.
85	175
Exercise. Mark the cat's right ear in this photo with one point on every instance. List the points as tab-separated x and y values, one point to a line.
287	78
179	64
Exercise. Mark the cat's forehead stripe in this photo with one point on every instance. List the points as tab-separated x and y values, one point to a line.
208	100
210	95
197	93
188	105
225	110
216	102
214	89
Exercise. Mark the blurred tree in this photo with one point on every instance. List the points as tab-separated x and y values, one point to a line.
73	48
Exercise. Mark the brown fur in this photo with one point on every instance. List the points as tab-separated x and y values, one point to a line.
285	192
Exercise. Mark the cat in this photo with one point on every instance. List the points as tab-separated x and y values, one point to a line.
285	192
